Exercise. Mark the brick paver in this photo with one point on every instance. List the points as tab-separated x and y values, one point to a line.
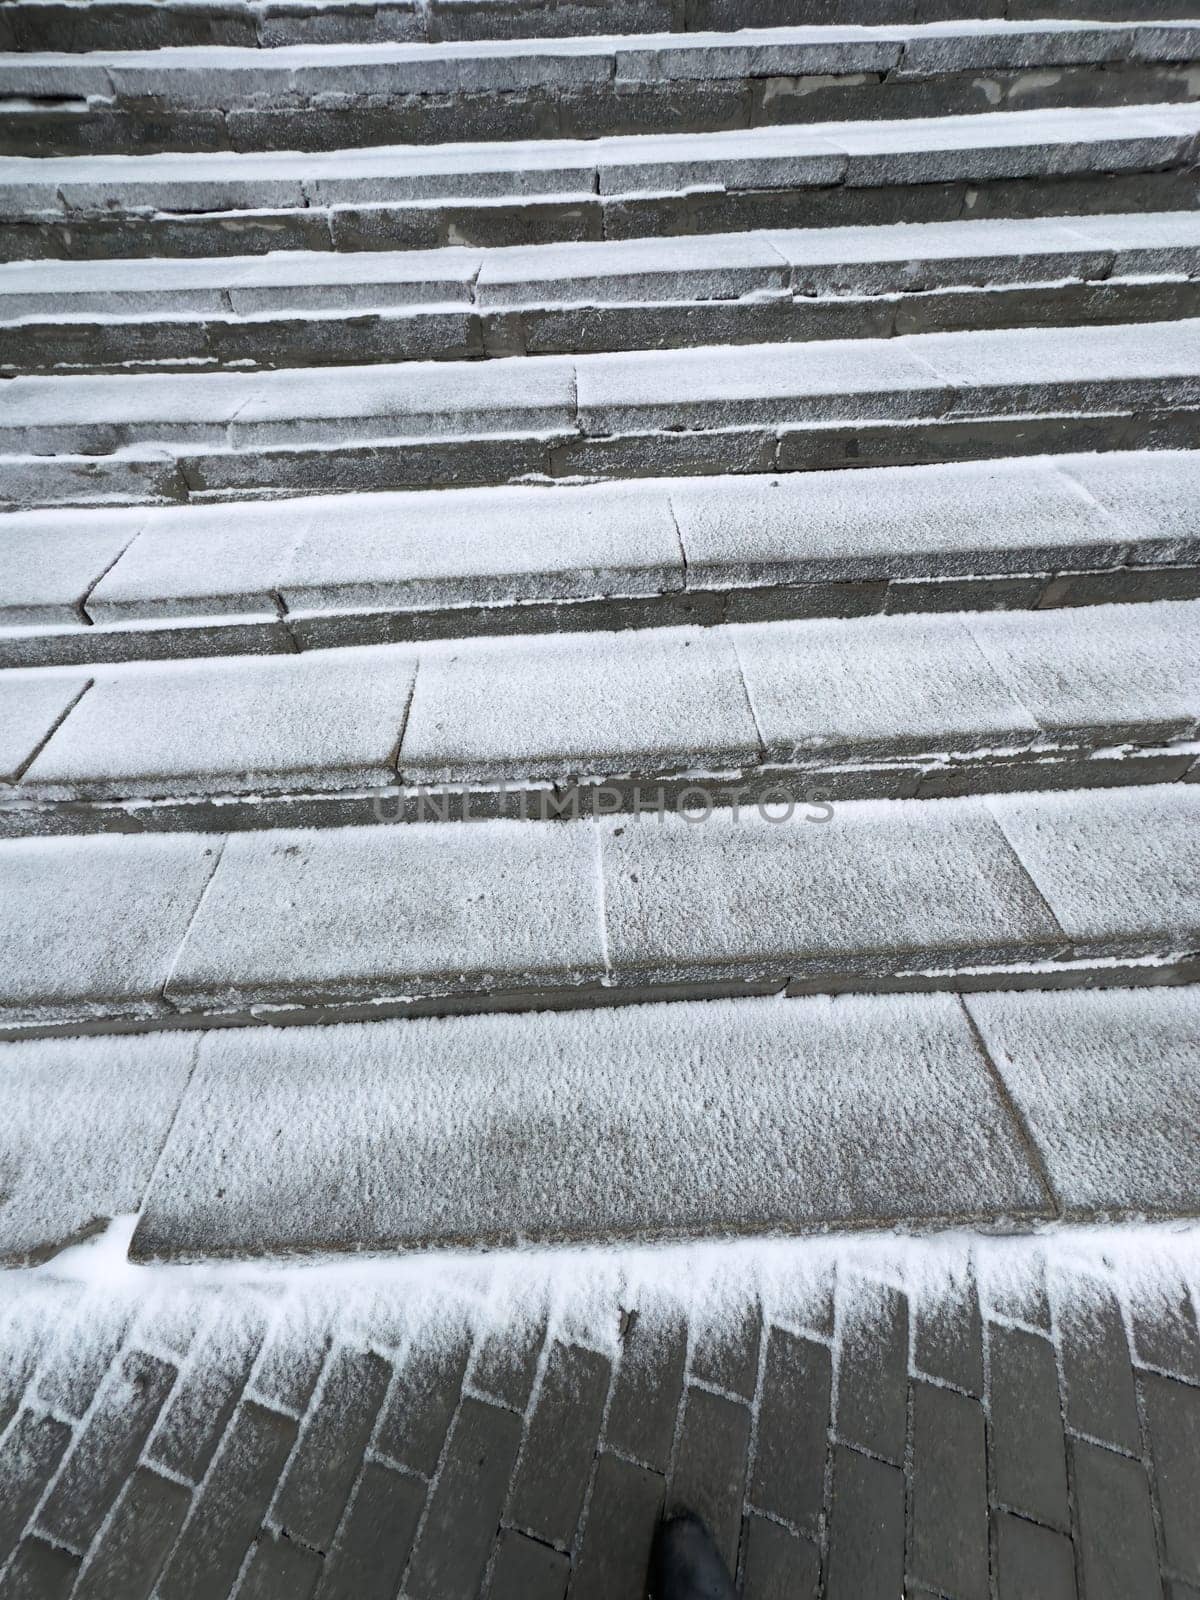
933	1439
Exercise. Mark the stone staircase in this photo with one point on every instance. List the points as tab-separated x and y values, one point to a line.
639	589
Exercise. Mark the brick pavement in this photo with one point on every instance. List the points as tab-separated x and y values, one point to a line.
973	1425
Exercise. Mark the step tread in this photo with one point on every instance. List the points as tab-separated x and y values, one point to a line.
923	693
634	392
888	258
203	75
1059	139
467	1139
458	1129
124	931
93	573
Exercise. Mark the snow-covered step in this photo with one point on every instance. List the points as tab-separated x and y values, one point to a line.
76	25
881	707
751	408
405	1135
1018	163
314	97
300	308
100	585
1039	890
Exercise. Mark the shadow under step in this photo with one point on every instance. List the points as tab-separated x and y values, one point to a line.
1097	887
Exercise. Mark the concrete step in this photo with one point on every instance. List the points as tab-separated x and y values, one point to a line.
90	586
1091	887
304	308
398	1135
75	25
593	724
1017	163
411	1135
752	408
312	97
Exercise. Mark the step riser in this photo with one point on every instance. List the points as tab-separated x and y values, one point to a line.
1152	964
33	25
436	224
269	635
81	127
156	477
572	799
369	337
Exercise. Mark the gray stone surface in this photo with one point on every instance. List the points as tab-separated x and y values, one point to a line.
136	1541
418	1411
450	1123
949	1493
229	1510
556	1454
375	1538
82	1131
866	1528
1117	1555
33	706
1173	1426
725	1353
460	1523
872	1412
50	561
1115	866
1029	1458
947	1335
527	1570
106	1451
200	1407
546	708
322	1471
626	1504
285	722
30	1451
40	1571
788	1478
709	1472
644	1406
866	1550
384	911
1106	1082
93	924
1098	1390
859	899
778	1564
1032	1562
